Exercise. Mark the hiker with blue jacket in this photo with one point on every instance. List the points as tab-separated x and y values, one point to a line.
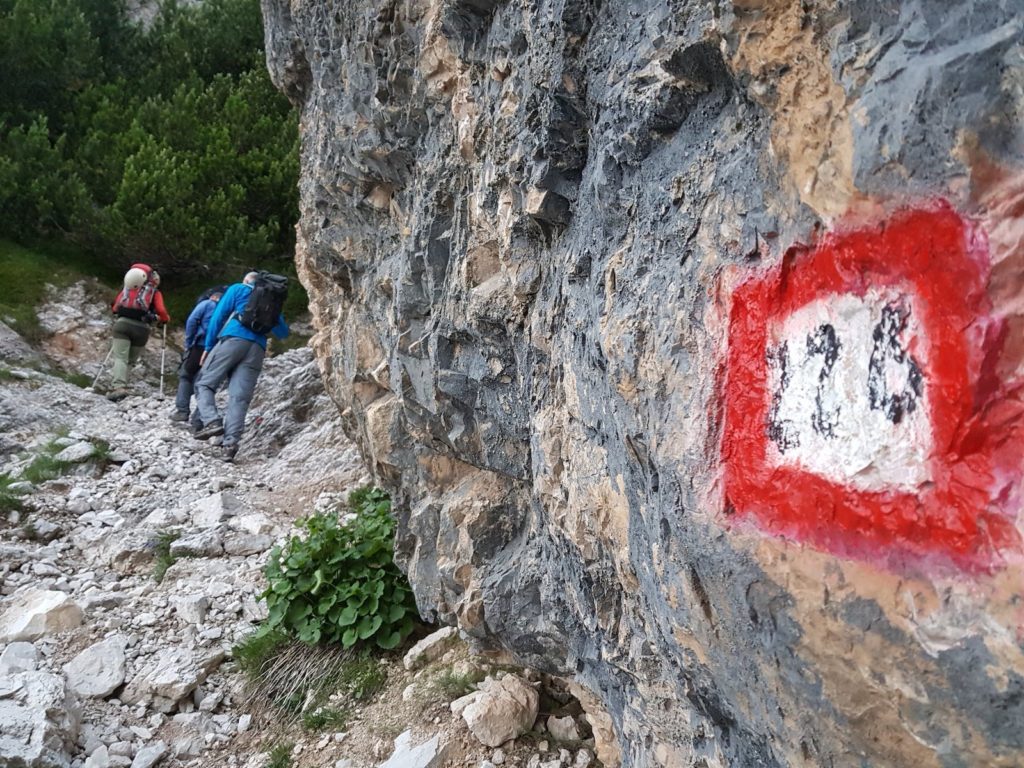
236	342
195	344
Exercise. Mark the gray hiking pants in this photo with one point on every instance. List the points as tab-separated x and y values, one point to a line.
240	362
130	336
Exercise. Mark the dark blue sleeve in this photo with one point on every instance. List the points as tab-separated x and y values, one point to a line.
221	314
193	324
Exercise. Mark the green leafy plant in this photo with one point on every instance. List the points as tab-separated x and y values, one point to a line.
338	582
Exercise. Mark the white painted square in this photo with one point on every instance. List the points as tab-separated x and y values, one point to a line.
862	421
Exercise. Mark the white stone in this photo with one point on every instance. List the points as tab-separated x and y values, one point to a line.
506	709
98	670
79	506
583	759
30	615
563	728
431	647
244	722
205	543
77	453
100	758
18	657
498	758
170	675
39	720
255	523
150	755
242	543
191	608
459	705
429	754
215	509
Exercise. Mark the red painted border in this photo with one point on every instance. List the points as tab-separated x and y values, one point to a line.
966	514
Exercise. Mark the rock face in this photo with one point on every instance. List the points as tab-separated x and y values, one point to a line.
689	335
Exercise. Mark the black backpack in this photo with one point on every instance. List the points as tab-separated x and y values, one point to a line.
265	303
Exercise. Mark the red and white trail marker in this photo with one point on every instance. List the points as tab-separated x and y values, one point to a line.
862	415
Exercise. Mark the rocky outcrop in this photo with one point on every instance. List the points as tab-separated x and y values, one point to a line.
585	274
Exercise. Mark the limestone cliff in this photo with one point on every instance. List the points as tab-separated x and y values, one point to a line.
689	334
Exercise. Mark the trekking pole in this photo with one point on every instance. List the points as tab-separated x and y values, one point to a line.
103	365
163	358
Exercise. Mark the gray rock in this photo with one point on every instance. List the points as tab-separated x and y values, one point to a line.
431	647
77	453
241	543
18	657
191	608
206	543
429	754
504	710
79	506
170	675
99	670
39	720
45	530
563	728
21	487
31	614
149	755
98	758
215	509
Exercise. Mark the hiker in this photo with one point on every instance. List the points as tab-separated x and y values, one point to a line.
195	337
137	306
236	342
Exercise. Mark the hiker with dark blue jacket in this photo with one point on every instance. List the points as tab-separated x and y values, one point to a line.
234	351
195	344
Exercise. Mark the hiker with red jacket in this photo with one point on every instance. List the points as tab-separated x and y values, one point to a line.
139	304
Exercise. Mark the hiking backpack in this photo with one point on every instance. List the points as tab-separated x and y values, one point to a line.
265	303
135	303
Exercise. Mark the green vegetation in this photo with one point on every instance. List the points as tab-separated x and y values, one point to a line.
449	685
338	583
323	718
281	755
167	144
161	545
24	273
10	501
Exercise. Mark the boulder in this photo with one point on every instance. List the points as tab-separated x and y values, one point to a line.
99	670
30	615
503	710
204	543
215	509
39	720
429	754
170	675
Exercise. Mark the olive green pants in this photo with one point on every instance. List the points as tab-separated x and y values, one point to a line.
130	337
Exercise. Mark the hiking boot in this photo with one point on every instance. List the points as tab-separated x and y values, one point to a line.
120	393
179	416
227	452
212	429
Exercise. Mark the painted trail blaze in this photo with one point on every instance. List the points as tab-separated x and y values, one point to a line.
862	411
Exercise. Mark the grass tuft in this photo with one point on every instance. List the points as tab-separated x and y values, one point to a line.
281	755
161	545
322	718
